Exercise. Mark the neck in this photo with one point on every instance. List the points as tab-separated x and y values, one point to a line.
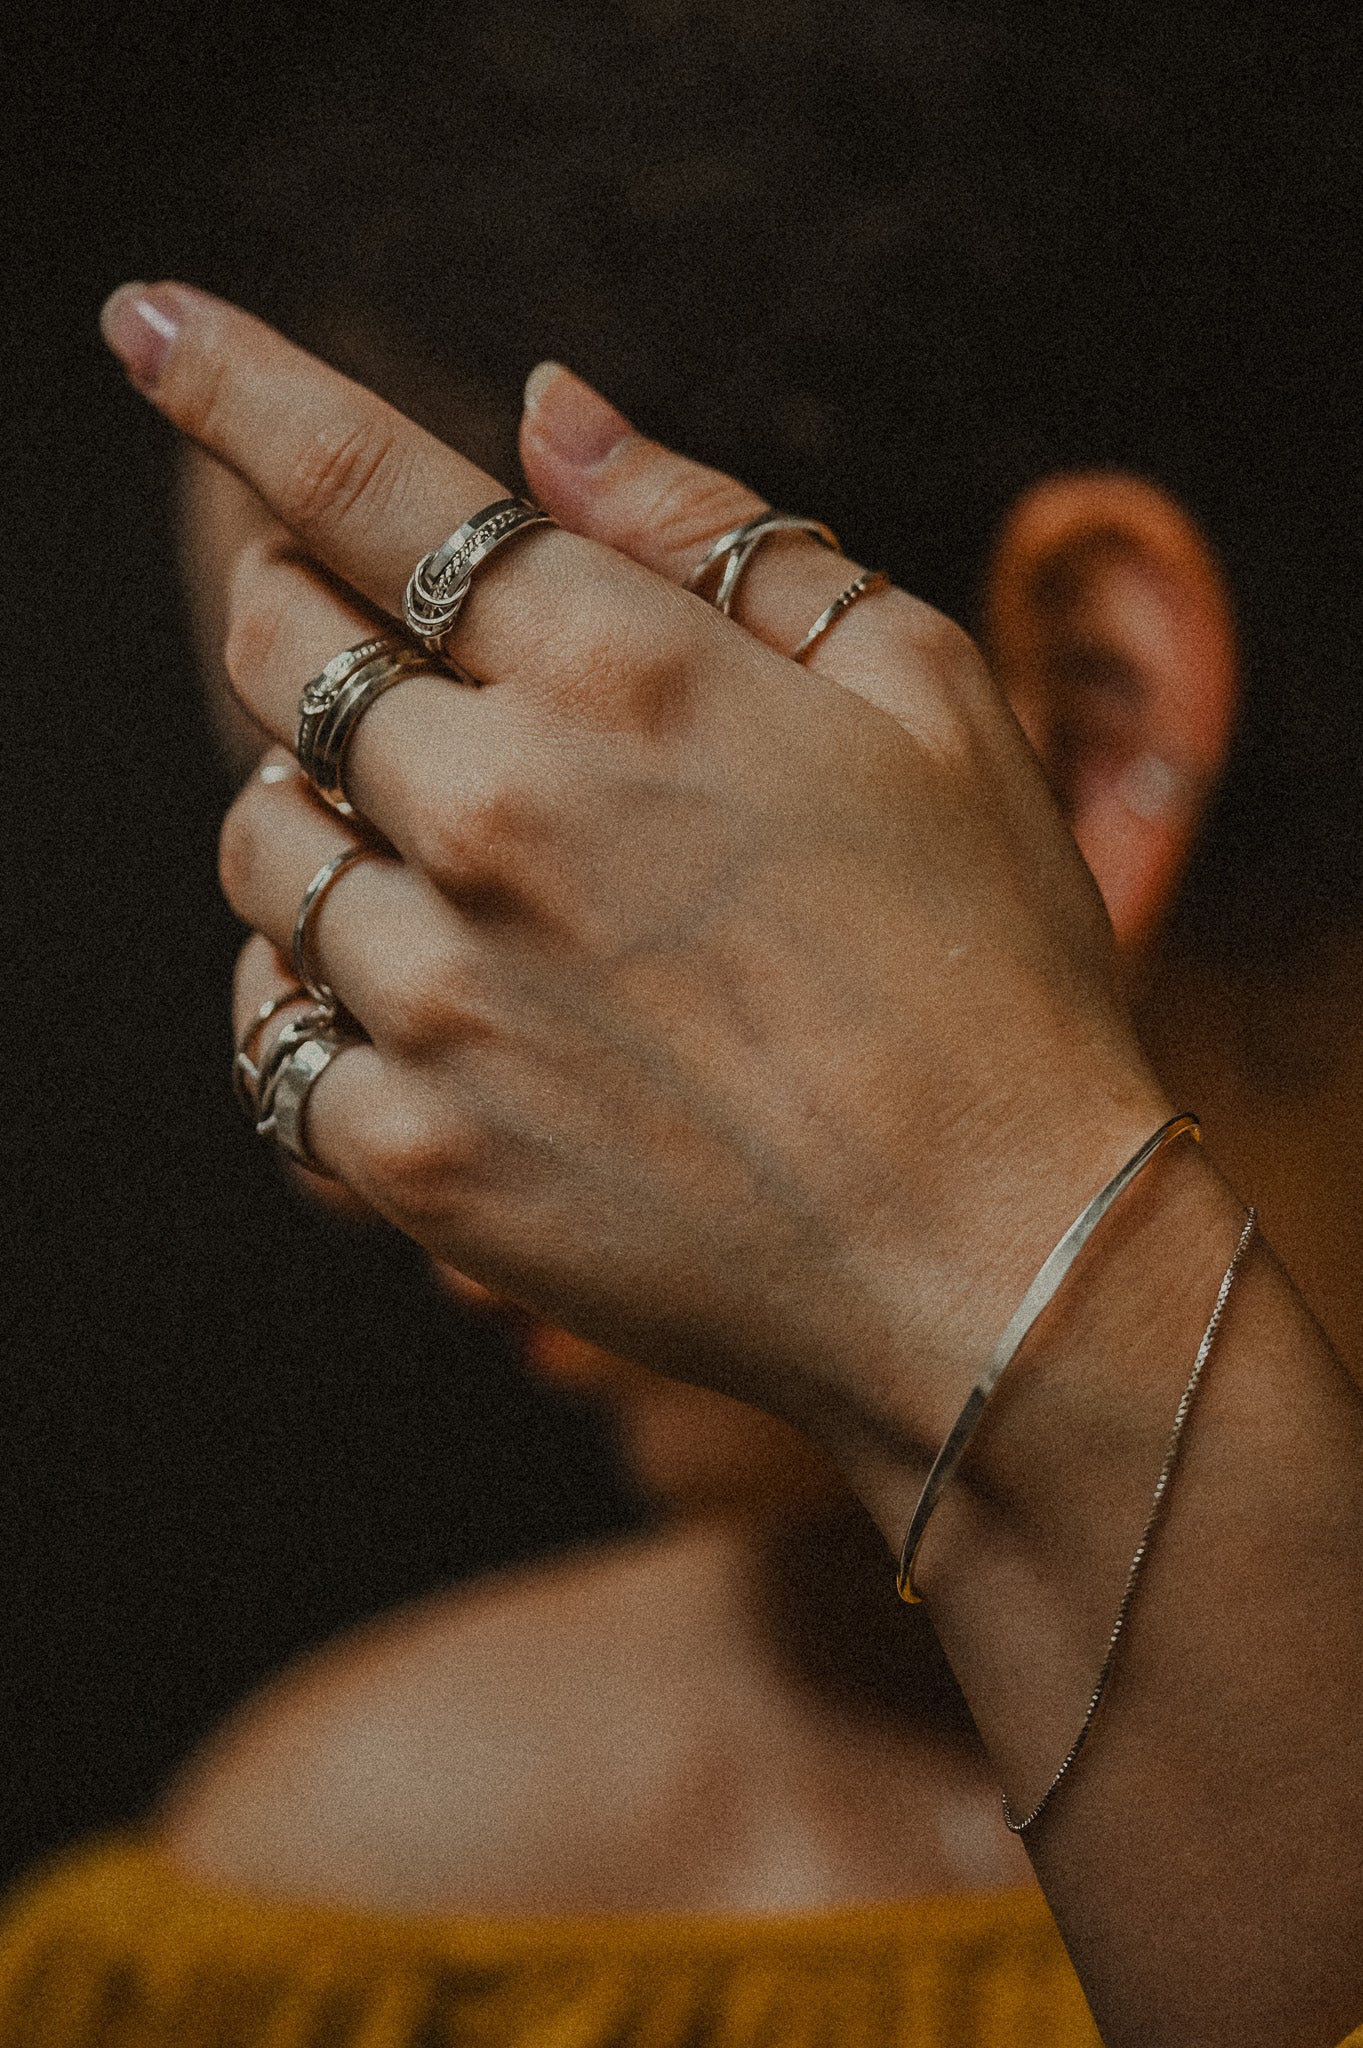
1274	1065
822	1602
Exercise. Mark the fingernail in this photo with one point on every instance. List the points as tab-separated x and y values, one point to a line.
572	419
140	325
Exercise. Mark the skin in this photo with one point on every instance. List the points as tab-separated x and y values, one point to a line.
415	1765
271	1803
606	902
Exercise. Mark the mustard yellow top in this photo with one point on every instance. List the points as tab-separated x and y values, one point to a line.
112	1948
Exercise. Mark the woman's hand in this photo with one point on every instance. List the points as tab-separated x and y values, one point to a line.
712	1012
722	1016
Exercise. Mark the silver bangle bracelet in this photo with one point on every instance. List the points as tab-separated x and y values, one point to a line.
1039	1296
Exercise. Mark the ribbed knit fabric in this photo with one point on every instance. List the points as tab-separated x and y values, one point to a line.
112	1948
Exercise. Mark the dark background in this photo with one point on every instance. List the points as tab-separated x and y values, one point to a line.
228	1426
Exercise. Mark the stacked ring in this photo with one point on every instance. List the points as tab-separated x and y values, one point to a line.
736	549
245	1068
441	581
333	703
293	1072
298	1032
274	1090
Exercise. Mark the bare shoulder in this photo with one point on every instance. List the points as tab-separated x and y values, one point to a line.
501	1747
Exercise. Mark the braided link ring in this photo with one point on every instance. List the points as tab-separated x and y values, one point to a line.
245	1070
861	586
299	1056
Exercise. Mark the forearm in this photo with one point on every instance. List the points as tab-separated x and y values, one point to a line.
720	1015
1203	1859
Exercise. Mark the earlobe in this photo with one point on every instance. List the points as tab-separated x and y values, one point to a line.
1109	626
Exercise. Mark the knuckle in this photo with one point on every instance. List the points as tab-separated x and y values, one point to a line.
422	1004
254	627
354	469
238	853
944	649
955	653
691	510
634	669
481	838
409	1163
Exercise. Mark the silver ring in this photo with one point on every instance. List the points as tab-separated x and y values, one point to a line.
736	549
313	1018
245	1071
333	704
291	1076
861	586
441	580
305	966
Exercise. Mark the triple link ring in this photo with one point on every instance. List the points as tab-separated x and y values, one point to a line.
246	1069
441	581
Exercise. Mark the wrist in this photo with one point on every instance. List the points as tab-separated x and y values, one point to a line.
1091	1391
1014	1197
1038	1524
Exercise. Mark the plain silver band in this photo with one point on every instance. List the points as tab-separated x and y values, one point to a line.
324	736
861	586
441	581
304	966
294	1080
737	548
1038	1296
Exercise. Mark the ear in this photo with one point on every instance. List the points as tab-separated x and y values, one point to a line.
1109	625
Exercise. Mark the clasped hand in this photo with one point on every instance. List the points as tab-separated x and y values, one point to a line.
753	1018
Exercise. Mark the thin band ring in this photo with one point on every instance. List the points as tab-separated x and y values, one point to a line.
245	1071
441	581
305	966
861	586
333	704
292	1075
736	549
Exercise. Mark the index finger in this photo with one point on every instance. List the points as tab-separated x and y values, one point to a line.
366	490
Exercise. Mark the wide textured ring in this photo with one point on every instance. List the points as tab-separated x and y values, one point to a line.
245	1069
736	549
295	1063
334	702
304	963
861	586
441	580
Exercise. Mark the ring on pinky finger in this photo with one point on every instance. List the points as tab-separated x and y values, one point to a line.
246	1067
295	1063
377	1135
